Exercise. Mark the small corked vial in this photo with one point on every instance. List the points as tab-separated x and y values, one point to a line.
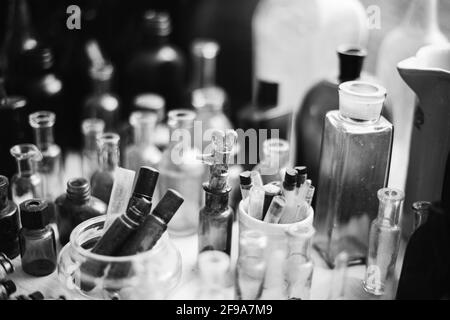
37	238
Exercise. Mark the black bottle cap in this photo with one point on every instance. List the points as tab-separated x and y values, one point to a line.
266	94
9	286
168	205
245	178
34	214
146	182
290	178
302	171
36	296
157	23
351	60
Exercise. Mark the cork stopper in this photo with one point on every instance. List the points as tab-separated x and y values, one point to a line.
361	101
168	205
146	182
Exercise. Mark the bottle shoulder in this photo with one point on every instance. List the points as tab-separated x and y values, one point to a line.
334	119
39	234
10	210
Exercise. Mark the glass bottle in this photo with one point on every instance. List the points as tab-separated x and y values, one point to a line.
76	206
9	222
143	151
50	167
354	165
14	127
157	65
384	241
102	103
251	265
300	266
37	239
92	130
216	217
260	115
418	28
27	183
339	277
154	103
108	156
275	160
213	267
320	99
182	171
421	210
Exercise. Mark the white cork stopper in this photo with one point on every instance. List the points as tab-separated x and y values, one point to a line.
361	100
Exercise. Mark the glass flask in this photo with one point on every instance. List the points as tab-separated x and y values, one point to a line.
50	167
299	268
153	274
320	99
92	130
27	183
251	265
354	165
384	241
182	171
216	217
275	160
108	155
214	267
102	103
143	151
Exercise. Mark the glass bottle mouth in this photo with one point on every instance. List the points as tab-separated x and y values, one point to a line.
181	118
210	97
93	125
109	138
150	102
205	48
42	119
139	118
78	189
278	146
26	152
103	72
390	194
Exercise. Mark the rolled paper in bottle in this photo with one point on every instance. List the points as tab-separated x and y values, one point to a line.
256	178
120	194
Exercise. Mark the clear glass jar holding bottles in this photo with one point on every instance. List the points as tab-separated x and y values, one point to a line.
182	171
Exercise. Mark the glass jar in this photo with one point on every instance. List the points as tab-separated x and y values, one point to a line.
153	274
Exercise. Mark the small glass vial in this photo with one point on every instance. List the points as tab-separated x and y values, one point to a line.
214	267
51	166
181	170
384	241
92	129
76	206
9	222
275	160
27	183
421	210
101	103
143	151
299	263
37	239
354	165
251	265
108	156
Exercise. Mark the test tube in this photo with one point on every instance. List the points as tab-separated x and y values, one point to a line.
289	184
256	178
275	210
256	202
246	183
270	191
309	195
302	175
339	277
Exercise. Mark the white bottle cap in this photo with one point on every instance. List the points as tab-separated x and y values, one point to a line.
361	100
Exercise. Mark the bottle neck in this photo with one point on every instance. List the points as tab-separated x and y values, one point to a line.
390	205
151	40
422	14
26	167
300	245
109	157
101	86
275	159
79	191
20	36
44	137
143	133
204	72
216	201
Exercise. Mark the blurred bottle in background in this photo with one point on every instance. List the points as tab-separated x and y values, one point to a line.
92	129
419	27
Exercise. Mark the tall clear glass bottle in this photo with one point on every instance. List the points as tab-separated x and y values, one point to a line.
384	241
27	183
143	151
214	267
182	171
102	103
275	160
251	265
108	155
299	263
51	166
92	129
216	217
354	165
